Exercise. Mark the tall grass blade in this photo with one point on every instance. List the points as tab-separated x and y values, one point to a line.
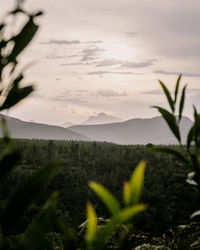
171	121
177	88
167	94
182	101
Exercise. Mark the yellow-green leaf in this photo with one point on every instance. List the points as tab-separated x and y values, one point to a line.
136	183
126	193
91	223
107	198
120	218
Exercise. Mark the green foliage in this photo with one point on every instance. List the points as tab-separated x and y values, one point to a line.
17	202
97	239
191	156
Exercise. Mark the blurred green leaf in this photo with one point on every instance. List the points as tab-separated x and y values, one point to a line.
16	94
108	199
8	161
68	236
122	217
171	121
91	223
197	127
127	193
169	151
177	88
25	194
34	237
190	137
182	101
167	94
23	38
136	183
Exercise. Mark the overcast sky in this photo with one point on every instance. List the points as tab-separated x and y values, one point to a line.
93	56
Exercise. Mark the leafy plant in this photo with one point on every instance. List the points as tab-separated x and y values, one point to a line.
13	207
191	156
97	238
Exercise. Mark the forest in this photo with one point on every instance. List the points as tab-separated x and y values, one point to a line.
165	190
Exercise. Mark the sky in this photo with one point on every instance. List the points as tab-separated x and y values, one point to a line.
93	56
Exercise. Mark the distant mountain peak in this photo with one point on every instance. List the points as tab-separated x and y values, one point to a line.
135	131
101	118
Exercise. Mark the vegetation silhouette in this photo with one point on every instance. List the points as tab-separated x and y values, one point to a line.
191	155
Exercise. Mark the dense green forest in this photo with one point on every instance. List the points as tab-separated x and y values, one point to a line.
169	198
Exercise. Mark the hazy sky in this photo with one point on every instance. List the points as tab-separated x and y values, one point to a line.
93	56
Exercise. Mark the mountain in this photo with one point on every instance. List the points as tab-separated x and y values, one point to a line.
32	130
101	118
67	124
135	131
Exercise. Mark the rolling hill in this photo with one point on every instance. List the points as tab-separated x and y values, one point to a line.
32	130
135	131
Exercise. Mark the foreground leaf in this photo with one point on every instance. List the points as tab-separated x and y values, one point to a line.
169	151
24	195
16	94
122	217
177	88
91	223
23	38
136	183
182	101
108	199
35	234
169	98
171	121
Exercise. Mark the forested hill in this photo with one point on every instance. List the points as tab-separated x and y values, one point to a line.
31	130
135	131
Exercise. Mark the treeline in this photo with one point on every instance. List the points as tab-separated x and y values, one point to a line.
169	198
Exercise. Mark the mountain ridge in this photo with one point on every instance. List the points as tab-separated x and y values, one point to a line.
134	131
32	130
101	118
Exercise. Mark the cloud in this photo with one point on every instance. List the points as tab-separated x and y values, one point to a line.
109	93
72	100
62	42
153	92
52	56
108	62
91	53
186	74
131	34
69	42
190	92
72	64
100	73
125	64
128	64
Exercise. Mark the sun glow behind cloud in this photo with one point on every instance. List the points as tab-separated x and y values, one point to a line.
118	51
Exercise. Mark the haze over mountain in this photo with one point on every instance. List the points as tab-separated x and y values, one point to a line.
101	118
68	124
32	130
135	131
